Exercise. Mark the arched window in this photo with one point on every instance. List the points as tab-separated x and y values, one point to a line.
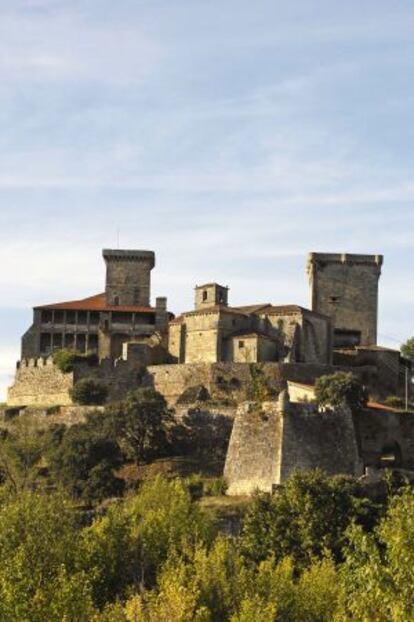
116	301
204	296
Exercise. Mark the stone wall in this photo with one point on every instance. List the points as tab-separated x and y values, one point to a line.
390	370
44	417
173	380
345	288
128	276
40	382
323	440
380	432
267	446
254	454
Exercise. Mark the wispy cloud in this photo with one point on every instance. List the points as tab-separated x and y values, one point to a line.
230	138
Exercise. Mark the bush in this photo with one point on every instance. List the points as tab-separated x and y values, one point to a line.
66	359
305	519
40	553
407	349
89	392
84	462
394	401
202	434
340	389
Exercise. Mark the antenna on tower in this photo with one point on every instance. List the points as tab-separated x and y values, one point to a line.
117	237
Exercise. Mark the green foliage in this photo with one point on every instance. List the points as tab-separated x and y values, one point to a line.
141	422
129	545
89	391
200	486
258	389
378	574
305	519
407	349
203	435
155	557
394	401
340	389
84	461
21	448
40	574
66	359
216	585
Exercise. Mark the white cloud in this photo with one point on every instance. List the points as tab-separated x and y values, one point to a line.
62	45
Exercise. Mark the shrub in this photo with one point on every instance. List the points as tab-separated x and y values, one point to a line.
407	349
66	359
84	462
306	518
202	434
40	574
394	401
89	391
340	389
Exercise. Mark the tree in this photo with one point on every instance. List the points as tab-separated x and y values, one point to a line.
21	448
89	391
202	434
141	422
84	463
129	545
407	349
340	389
40	552
306	518
378	574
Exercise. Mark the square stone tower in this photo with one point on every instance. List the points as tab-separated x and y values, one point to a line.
210	295
128	276
345	288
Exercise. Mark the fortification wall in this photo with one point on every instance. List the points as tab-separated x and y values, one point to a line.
255	450
383	432
119	376
173	380
39	382
43	417
324	440
267	446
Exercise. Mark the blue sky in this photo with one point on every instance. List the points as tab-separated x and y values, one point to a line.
231	137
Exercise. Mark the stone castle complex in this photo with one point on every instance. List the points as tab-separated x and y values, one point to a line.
223	350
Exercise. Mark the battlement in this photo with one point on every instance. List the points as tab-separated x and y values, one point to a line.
35	362
344	258
110	254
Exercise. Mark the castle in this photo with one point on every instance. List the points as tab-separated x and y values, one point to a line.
344	294
217	346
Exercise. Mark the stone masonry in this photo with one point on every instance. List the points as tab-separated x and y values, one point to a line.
345	288
268	444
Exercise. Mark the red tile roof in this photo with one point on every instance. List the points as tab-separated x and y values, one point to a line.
96	303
